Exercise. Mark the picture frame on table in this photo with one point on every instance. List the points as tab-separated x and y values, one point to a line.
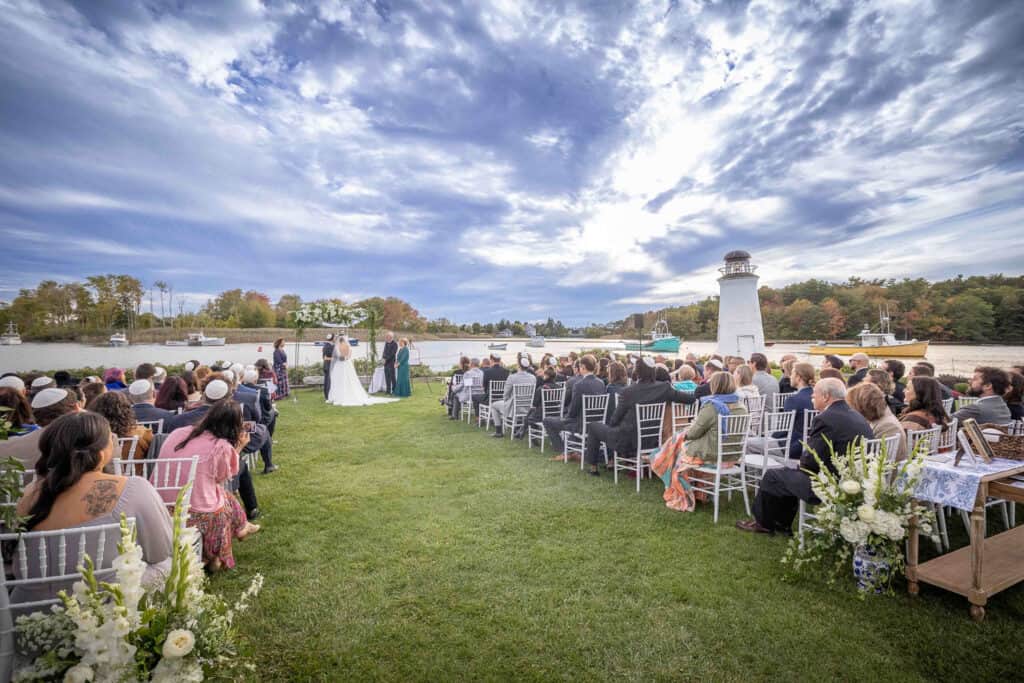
979	444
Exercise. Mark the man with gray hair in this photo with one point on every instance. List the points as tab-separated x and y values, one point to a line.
781	489
389	356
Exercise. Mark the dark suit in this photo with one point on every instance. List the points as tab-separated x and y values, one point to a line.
585	385
327	350
389	357
799	402
620	432
250	397
147	412
781	489
269	416
857	377
495	373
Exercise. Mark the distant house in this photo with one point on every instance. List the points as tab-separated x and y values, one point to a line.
505	333
576	332
531	331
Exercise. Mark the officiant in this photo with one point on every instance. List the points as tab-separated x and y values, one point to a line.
390	354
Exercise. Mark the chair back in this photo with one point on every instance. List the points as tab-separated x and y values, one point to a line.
682	415
732	436
167	475
947	405
779	400
497	390
966	401
155	426
774	423
873	447
522	398
456	382
1016	428
594	407
551	399
132	442
809	416
649	419
476	385
755	408
947	439
929	436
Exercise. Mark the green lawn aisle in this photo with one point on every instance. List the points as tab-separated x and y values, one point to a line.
400	546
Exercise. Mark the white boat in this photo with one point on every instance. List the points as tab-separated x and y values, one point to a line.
11	336
536	341
198	339
119	339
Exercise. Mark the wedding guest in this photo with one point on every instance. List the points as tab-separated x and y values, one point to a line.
145	371
547	379
802	379
114	379
787	363
40	383
496	372
117	409
678	460
193	396
830	373
743	378
782	488
896	370
619	434
449	399
159	377
91	390
924	405
832	361
472	382
617	382
46	406
19	412
587	384
268	417
602	368
733	362
859	362
281	369
12	381
217	439
71	490
173	395
403	382
868	400
1015	395
499	409
989	384
140	393
686	378
924	369
243	394
63	379
763	380
202	372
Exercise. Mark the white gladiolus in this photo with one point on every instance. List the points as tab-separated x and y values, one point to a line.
178	644
79	673
850	487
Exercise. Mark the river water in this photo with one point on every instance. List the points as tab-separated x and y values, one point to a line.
440	355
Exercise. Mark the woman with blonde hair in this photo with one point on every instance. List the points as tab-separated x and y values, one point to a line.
868	400
743	376
677	461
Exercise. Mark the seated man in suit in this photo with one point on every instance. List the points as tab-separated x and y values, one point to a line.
142	394
859	362
586	384
268	415
781	489
496	372
989	384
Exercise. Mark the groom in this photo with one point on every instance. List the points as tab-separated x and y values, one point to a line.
390	354
328	351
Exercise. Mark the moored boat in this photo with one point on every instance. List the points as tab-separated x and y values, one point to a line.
661	340
497	347
875	344
118	339
11	336
198	339
536	341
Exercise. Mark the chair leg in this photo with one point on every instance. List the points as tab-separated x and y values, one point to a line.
1006	514
800	523
639	472
615	467
943	535
718	483
743	481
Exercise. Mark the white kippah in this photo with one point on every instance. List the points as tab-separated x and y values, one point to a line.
237	369
190	366
649	362
43	381
216	390
229	375
140	387
12	382
715	363
250	376
48	397
160	372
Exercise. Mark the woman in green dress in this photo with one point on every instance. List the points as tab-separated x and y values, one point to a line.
403	385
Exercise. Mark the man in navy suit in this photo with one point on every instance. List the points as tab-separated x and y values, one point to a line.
781	489
586	384
389	357
140	393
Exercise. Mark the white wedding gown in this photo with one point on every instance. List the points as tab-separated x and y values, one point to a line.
346	389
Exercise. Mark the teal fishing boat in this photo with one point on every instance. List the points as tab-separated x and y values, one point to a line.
661	340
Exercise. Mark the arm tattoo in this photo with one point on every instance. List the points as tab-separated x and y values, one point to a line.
100	497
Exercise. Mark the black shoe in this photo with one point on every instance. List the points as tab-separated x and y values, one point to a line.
497	435
253	514
452	417
595	473
269	470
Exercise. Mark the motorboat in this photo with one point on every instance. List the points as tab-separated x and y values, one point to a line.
661	340
198	339
11	336
875	344
497	347
118	339
536	341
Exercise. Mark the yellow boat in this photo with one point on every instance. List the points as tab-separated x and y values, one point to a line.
896	349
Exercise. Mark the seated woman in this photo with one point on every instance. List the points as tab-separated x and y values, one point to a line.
743	376
881	379
174	394
114	379
19	412
677	461
1014	395
685	379
924	405
91	389
449	399
217	439
868	400
71	490
117	408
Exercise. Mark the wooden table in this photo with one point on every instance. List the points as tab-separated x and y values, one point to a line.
988	565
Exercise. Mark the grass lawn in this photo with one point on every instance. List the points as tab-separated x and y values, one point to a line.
400	546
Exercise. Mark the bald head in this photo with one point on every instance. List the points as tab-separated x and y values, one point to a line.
859	360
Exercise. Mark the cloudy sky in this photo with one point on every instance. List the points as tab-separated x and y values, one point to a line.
508	158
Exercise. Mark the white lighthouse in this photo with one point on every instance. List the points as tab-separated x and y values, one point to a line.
740	332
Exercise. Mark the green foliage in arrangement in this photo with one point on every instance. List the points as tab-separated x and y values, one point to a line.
400	546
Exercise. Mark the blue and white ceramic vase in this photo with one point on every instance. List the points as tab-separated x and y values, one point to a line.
871	572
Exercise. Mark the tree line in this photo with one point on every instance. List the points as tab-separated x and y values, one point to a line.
977	309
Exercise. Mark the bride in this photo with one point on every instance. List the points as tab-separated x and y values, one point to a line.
346	389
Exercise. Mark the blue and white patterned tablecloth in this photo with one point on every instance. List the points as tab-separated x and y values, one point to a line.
957	486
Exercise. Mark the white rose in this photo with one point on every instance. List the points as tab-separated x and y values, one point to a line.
850	487
866	513
79	673
179	643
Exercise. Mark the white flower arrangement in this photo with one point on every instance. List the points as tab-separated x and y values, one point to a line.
125	631
867	502
326	311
